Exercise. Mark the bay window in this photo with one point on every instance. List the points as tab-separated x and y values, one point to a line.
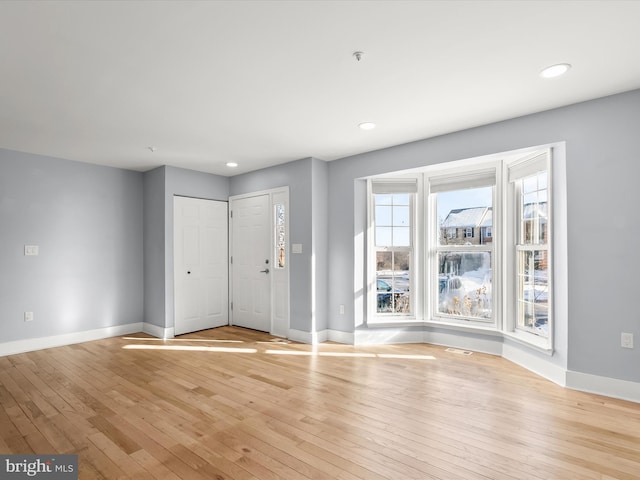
472	248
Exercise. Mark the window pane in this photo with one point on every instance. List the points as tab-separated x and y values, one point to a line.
401	216
383	199
542	197
533	216
530	184
542	181
465	211
383	216
383	236
401	237
392	220
393	270
531	199
533	292
464	284
280	236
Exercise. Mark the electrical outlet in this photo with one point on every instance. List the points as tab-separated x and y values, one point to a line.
28	316
626	340
31	250
341	309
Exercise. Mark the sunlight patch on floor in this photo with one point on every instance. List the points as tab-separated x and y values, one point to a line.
348	354
190	348
146	339
315	351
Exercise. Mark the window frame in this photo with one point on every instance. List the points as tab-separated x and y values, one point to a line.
515	172
452	179
388	186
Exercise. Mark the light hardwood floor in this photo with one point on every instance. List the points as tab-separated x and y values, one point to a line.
231	403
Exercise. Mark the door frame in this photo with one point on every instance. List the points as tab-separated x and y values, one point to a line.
279	285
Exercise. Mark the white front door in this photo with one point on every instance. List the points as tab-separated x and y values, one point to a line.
251	262
201	285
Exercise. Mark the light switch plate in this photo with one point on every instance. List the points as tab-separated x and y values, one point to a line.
31	250
626	340
296	248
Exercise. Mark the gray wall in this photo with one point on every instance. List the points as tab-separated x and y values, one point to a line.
87	221
320	240
161	185
603	167
298	176
154	247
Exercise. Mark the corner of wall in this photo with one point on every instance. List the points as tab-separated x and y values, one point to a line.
158	332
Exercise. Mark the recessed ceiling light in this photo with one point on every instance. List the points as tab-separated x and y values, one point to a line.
367	126
232	164
555	70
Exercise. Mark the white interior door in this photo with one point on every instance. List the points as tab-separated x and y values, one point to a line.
251	262
201	272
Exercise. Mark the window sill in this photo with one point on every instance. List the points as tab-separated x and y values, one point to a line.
530	340
488	329
535	342
390	321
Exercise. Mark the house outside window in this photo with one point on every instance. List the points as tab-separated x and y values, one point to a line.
463	266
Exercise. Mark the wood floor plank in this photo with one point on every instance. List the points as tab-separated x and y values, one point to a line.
246	408
157	469
261	464
118	456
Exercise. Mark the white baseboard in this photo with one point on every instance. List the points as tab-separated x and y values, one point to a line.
158	332
339	336
489	344
314	338
31	344
311	338
610	387
539	366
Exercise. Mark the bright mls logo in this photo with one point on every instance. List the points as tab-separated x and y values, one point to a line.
51	467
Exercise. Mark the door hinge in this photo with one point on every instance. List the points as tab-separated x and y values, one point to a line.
231	305
231	213
231	260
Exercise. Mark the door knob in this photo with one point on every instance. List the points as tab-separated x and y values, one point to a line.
266	270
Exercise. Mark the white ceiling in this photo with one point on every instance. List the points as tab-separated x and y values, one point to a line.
267	82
